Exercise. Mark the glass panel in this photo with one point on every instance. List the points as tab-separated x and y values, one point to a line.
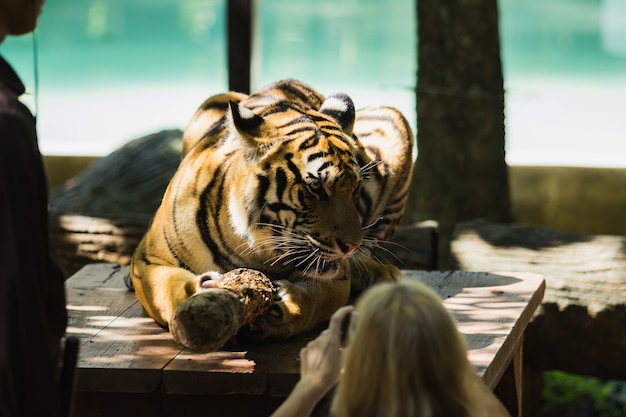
114	70
365	48
565	78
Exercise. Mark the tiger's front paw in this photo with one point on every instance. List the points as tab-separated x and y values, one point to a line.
222	304
280	321
369	272
207	320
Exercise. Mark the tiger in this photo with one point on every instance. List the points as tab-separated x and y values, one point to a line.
285	181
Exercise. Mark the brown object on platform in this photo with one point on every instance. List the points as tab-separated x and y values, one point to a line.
255	290
210	318
206	321
128	363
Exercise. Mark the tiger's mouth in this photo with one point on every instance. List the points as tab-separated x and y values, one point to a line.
321	268
312	262
321	263
311	257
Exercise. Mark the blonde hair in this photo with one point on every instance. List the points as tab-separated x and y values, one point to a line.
405	358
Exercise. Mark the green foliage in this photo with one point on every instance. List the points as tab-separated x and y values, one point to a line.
567	395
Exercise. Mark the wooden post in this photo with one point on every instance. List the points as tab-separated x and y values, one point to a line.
239	31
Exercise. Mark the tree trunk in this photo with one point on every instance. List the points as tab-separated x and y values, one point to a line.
460	172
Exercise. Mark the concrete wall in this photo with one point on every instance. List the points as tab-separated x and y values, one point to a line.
585	200
62	168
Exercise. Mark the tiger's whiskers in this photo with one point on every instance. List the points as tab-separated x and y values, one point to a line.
367	169
294	246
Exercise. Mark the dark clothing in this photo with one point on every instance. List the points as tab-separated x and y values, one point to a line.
32	295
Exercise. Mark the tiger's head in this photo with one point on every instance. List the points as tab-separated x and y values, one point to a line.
296	208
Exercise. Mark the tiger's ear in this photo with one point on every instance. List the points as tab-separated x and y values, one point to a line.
246	121
340	107
254	133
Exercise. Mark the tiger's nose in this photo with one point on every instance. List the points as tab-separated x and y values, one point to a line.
348	248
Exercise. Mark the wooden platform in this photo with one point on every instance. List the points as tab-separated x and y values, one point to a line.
129	366
581	325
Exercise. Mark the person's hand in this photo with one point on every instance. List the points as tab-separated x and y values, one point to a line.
320	360
320	367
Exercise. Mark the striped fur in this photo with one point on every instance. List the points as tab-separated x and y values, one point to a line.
284	181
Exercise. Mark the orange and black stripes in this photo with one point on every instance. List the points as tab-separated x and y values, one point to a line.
280	177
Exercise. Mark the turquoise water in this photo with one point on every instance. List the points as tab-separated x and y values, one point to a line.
565	78
113	70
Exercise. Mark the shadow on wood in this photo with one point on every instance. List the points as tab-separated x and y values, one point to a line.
581	327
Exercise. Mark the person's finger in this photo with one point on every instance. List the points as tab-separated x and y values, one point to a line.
334	326
303	361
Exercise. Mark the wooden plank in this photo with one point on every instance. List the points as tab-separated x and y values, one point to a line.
585	294
509	389
231	371
492	335
236	405
518	366
492	311
94	276
113	404
236	369
586	270
287	367
121	349
96	296
128	355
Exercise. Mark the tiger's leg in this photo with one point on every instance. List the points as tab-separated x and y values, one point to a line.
367	271
387	143
161	289
300	307
200	318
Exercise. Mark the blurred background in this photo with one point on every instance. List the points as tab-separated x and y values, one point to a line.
113	70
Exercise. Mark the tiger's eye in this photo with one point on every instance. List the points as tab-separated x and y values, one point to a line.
316	188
